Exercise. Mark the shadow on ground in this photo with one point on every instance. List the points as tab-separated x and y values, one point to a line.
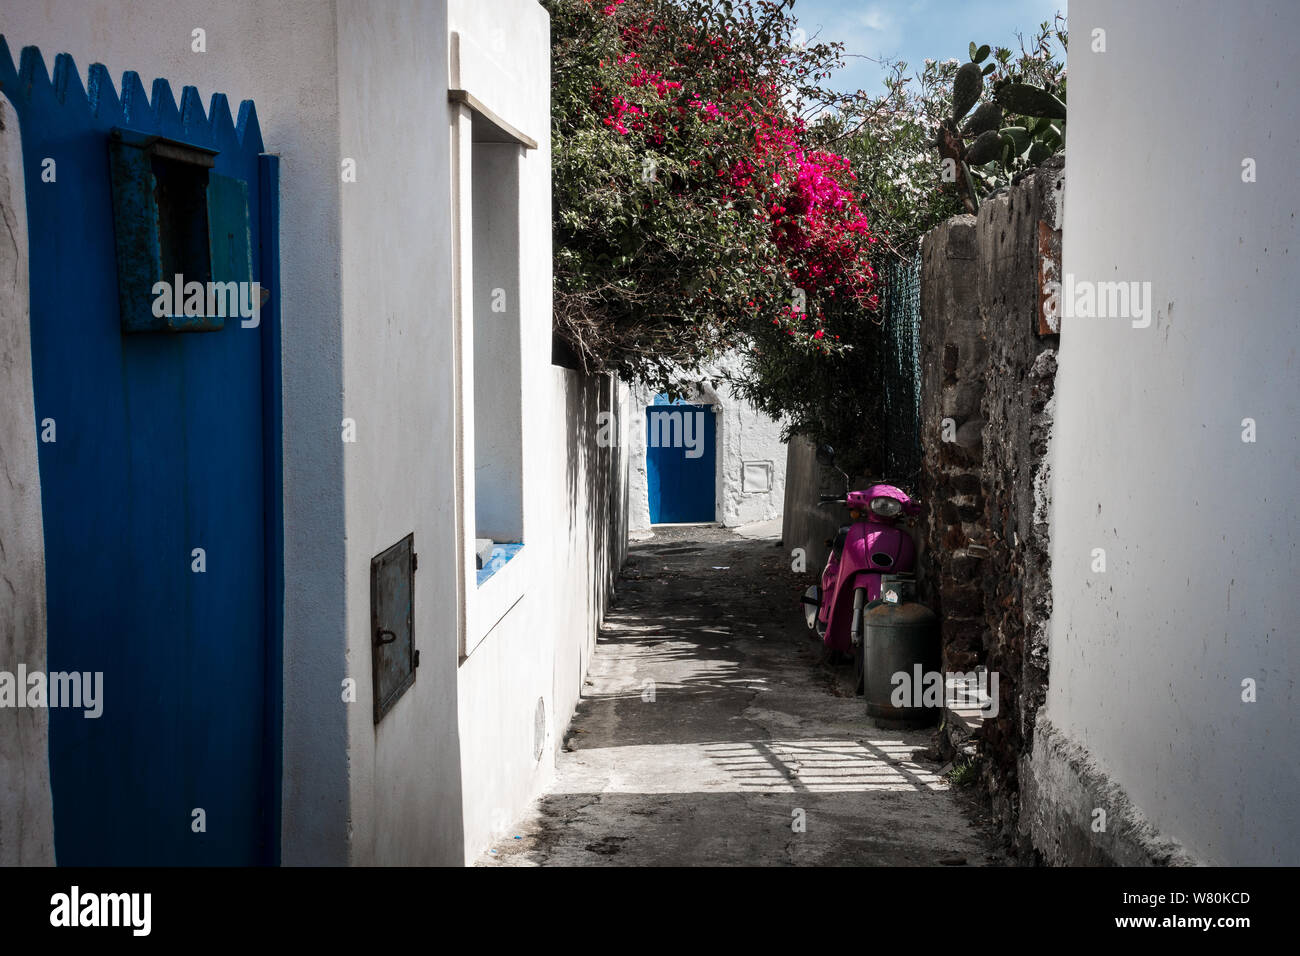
711	732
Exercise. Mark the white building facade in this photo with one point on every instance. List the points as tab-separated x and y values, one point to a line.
1171	714
743	457
418	400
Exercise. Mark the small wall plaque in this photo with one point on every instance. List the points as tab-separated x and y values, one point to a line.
392	623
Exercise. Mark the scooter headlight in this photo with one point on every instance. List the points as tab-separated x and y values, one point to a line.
887	507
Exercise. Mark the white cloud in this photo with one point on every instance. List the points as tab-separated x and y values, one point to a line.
876	19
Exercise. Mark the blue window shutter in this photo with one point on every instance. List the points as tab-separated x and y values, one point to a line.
135	227
228	231
162	227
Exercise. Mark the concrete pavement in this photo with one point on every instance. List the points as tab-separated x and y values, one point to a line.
712	734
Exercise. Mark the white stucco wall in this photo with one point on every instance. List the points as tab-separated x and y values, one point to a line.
372	331
541	648
1200	529
521	632
745	436
453	763
26	807
281	56
398	387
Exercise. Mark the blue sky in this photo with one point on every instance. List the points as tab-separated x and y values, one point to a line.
915	29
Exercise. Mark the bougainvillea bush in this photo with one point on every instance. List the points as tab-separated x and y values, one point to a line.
697	208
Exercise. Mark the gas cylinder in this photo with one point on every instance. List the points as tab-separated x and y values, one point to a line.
901	660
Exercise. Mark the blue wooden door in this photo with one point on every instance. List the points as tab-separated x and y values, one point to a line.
681	462
160	493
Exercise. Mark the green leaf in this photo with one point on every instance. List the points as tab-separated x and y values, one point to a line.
1026	100
985	149
1018	137
972	52
970	182
979	55
990	68
966	88
988	116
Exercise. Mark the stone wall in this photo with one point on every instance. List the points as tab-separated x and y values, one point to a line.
953	364
806	523
988	369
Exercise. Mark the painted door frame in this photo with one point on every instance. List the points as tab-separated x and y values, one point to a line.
711	430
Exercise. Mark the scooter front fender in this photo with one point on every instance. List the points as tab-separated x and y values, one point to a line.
839	608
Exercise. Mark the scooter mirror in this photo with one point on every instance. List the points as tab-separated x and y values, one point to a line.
825	455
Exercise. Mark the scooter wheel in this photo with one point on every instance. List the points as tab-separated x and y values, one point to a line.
812	606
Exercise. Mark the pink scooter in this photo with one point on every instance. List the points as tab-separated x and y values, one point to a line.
861	554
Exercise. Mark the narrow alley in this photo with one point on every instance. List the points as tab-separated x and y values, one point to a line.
711	733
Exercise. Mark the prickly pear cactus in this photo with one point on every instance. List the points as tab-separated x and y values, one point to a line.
966	89
986	148
987	152
1026	100
988	116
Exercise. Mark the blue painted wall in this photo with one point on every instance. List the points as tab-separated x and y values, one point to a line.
681	489
165	443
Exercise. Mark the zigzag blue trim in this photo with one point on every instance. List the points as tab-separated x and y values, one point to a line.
31	83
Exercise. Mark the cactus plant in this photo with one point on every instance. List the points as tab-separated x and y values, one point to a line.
966	89
987	116
1017	137
987	152
1029	101
986	148
1038	151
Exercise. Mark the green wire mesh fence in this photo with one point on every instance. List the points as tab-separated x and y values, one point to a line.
900	365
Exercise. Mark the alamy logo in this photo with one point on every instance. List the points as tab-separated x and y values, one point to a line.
957	689
75	908
59	689
677	430
1099	300
209	300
